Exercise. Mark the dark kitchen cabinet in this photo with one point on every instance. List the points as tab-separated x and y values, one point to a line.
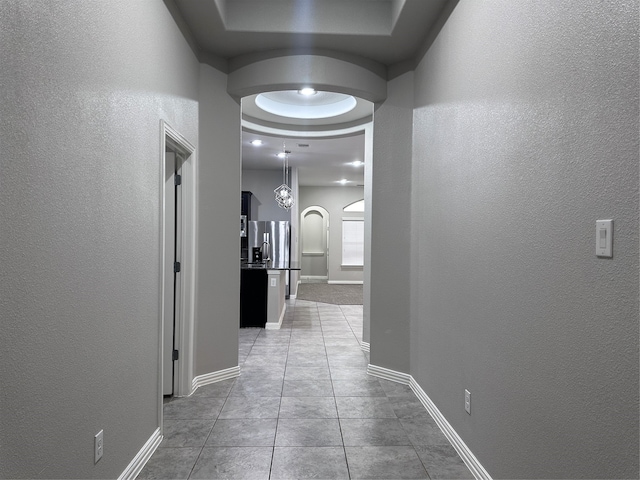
245	216
246	204
253	297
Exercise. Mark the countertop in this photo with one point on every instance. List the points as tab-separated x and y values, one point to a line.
269	265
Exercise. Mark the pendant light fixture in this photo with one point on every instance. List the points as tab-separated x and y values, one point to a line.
284	196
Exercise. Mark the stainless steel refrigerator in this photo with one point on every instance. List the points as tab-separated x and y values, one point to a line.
273	237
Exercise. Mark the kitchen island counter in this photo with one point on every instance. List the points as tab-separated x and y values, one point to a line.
269	265
262	294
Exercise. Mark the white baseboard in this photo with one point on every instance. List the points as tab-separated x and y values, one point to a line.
392	375
278	324
365	346
295	295
312	278
149	448
463	450
345	282
213	377
143	456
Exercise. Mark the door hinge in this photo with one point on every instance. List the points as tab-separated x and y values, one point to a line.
177	179
176	267
174	356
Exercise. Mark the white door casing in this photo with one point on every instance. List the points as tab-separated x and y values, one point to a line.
185	251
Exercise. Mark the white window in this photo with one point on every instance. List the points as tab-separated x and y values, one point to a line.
352	242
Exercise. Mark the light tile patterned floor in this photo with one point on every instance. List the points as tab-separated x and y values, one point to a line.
303	407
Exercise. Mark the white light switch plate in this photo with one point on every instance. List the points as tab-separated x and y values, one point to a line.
467	401
604	238
98	446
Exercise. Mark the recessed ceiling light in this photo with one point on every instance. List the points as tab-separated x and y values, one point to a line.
307	91
256	143
344	181
357	163
281	155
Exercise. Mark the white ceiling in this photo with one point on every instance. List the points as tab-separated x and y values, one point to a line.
326	158
322	163
388	33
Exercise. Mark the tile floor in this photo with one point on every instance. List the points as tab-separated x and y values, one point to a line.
303	407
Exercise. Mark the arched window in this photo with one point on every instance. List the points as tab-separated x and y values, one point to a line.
355	207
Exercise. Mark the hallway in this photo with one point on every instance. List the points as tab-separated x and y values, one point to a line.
303	407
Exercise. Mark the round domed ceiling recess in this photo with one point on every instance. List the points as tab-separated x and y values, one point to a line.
292	104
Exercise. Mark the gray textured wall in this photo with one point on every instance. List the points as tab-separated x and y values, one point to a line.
526	133
391	227
84	87
262	183
334	199
218	247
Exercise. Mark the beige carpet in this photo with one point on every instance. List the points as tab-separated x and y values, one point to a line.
335	294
